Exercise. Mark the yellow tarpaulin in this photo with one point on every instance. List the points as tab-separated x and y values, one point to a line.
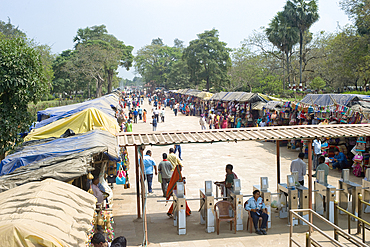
81	122
48	213
204	95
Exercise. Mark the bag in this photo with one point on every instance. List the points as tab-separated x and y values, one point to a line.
357	170
160	177
121	180
360	144
358	158
324	146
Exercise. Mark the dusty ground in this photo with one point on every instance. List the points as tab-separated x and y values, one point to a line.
251	161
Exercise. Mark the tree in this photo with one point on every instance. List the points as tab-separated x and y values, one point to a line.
10	31
154	62
359	12
23	81
317	83
120	54
283	36
208	60
303	15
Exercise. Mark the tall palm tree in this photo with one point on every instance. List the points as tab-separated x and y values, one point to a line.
301	14
282	35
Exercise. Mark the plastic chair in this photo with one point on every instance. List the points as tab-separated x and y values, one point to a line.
223	215
250	221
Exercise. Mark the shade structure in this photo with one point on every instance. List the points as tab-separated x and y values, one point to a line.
81	122
252	97
233	96
53	212
218	96
331	99
62	158
204	95
244	134
55	113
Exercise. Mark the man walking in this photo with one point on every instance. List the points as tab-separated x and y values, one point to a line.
135	115
298	165
154	123
202	122
164	169
162	115
317	152
178	148
149	163
140	111
173	159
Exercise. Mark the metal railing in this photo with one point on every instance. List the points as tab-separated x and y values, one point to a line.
362	224
309	240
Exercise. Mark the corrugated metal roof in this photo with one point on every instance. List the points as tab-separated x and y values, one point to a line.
243	134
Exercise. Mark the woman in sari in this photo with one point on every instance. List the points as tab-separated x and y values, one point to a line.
176	177
144	116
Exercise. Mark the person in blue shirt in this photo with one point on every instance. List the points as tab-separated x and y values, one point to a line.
135	115
149	164
340	160
258	209
140	111
154	123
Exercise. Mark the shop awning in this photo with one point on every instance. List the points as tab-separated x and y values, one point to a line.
274	105
233	96
55	113
50	212
204	95
192	92
328	99
252	97
258	106
244	134
63	158
81	122
218	96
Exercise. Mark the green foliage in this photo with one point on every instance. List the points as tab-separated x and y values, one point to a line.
208	60
10	31
271	85
301	14
155	61
23	81
317	83
359	12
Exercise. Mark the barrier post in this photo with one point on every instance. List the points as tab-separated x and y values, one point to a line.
336	213
359	210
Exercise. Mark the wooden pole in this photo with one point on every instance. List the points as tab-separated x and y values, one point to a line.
309	173
278	160
137	182
143	197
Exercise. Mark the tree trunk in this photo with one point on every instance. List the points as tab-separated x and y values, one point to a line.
287	66
300	56
99	85
207	85
110	78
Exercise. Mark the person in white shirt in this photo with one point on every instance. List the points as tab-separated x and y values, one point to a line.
162	115
317	152
298	165
202	122
263	123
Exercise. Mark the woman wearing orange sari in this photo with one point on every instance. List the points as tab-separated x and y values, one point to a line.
144	116
176	177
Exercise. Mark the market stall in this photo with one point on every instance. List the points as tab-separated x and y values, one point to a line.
47	213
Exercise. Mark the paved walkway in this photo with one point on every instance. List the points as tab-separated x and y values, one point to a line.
201	162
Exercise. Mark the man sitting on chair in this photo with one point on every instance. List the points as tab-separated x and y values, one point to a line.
257	209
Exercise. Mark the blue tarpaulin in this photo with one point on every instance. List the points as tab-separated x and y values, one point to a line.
327	99
63	148
103	104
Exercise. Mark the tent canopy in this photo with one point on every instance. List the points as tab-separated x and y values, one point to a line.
204	95
252	97
273	105
63	159
56	113
327	99
233	96
84	121
50	212
218	96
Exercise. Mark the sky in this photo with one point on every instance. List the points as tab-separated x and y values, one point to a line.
137	22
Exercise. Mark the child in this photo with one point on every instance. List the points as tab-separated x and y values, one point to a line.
154	123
